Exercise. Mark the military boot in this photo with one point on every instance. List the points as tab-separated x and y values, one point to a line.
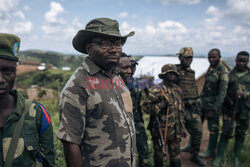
196	159
175	163
237	149
187	147
210	152
219	156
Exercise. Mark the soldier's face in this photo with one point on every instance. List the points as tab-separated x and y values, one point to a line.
241	62
105	52
124	66
7	75
186	61
214	58
133	69
170	77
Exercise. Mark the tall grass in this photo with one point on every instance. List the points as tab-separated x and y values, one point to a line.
53	107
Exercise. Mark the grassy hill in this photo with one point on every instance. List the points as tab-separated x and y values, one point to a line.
54	58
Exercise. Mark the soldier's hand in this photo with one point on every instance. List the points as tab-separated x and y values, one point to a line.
211	114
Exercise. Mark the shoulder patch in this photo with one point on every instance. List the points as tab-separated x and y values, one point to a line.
179	90
46	120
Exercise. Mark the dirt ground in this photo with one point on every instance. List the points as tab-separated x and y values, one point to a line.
204	144
33	93
25	68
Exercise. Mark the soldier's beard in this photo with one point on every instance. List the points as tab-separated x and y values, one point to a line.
109	66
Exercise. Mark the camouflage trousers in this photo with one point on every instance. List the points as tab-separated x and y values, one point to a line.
213	124
141	141
240	129
173	147
193	125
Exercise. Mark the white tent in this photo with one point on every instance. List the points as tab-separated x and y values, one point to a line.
151	66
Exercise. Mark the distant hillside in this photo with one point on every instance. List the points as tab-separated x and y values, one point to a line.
55	58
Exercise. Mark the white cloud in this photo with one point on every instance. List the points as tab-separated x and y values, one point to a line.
20	15
156	37
214	11
72	29
126	15
53	22
123	14
23	27
239	9
52	15
189	2
6	8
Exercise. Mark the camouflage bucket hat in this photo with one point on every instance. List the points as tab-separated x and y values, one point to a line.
9	46
99	27
186	52
167	68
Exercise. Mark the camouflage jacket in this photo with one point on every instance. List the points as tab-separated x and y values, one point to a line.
96	113
215	87
156	103
186	81
239	81
36	139
136	95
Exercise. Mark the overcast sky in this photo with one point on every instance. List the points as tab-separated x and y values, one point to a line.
161	26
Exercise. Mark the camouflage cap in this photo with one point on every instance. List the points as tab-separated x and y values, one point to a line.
133	60
168	68
99	27
186	52
9	46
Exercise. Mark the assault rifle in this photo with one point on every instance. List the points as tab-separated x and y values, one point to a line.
159	132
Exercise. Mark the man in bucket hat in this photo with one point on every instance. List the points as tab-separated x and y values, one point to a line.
26	135
165	101
97	127
191	100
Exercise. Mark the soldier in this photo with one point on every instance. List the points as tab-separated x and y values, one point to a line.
26	134
134	63
190	98
165	102
96	119
124	67
212	97
236	107
136	95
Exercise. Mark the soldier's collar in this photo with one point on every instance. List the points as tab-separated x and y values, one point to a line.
90	66
19	102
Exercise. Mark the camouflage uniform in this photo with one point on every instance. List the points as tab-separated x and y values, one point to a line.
141	137
212	97
190	99
175	119
156	103
36	140
237	81
96	113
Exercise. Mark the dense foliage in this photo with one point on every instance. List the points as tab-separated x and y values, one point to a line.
54	79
